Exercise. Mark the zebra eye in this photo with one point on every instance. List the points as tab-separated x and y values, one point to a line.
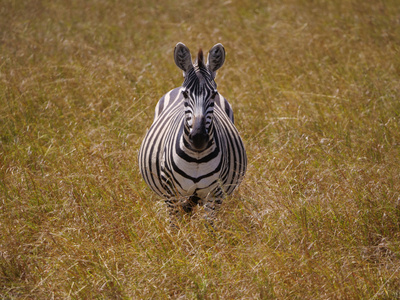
185	94
214	94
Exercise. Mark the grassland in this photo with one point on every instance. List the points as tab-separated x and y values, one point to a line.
315	90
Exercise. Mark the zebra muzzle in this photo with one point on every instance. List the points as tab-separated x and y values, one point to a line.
199	137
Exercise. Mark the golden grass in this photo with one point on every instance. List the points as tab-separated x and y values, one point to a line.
315	90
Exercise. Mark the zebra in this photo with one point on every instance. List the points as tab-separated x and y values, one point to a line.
193	154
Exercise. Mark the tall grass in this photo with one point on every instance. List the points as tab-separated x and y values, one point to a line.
315	90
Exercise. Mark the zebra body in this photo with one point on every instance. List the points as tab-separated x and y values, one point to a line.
193	154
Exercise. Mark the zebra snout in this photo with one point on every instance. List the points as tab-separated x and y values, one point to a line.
199	137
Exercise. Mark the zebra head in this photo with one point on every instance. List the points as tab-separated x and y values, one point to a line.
199	91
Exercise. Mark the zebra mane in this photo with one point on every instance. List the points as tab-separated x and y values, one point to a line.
200	67
200	58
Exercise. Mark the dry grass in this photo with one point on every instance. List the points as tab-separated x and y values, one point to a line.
315	90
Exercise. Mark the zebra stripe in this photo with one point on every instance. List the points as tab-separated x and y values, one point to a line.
192	151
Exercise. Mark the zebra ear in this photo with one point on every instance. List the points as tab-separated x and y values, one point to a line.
182	57
216	58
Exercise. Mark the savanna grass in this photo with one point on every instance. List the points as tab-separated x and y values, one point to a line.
315	90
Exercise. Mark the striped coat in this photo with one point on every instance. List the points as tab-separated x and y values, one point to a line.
193	154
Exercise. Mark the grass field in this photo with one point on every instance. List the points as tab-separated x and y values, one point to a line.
315	90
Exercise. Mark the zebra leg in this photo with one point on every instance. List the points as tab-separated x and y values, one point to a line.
177	208
211	208
190	203
174	212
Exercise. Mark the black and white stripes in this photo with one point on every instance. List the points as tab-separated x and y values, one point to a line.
192	153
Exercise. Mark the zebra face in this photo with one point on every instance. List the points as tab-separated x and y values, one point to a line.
199	91
198	118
